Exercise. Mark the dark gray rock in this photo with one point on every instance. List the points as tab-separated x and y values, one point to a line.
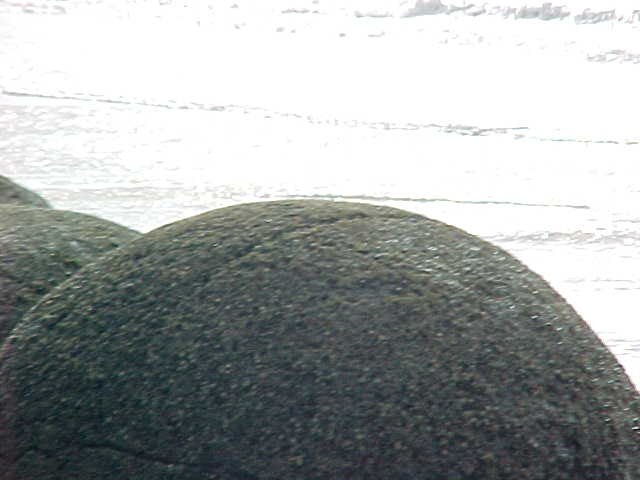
39	248
589	16
546	11
426	7
11	192
312	340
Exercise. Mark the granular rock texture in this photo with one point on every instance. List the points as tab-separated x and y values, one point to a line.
39	248
312	340
11	192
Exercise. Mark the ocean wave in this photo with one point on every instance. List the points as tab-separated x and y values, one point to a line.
444	66
580	12
545	11
518	132
615	55
617	238
382	199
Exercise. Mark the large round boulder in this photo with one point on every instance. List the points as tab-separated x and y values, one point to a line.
11	192
39	248
312	340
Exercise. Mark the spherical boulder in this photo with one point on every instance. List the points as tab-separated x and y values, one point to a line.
11	192
312	340
40	248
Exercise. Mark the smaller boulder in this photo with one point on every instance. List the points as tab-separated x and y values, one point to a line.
39	248
12	193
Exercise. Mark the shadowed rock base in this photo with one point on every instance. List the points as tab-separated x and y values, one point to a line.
312	340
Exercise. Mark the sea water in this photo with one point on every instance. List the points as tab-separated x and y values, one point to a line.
515	121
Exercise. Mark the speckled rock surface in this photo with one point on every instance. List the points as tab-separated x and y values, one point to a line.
39	248
12	193
312	340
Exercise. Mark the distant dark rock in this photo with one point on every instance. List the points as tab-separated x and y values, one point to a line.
589	16
545	12
39	248
11	192
426	7
312	340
